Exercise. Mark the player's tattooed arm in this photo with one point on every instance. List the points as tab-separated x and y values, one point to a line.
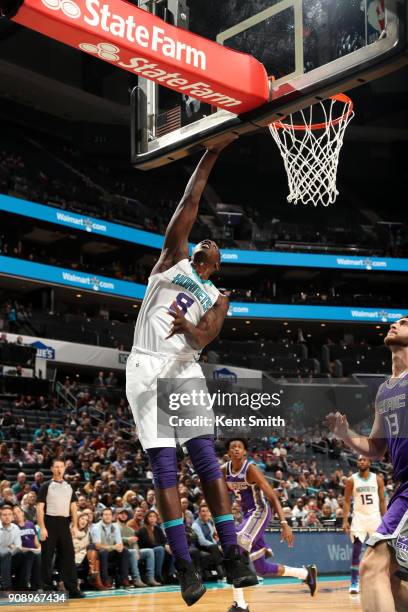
348	491
381	494
372	447
199	336
255	476
175	247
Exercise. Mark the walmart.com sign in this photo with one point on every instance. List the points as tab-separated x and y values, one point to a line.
228	256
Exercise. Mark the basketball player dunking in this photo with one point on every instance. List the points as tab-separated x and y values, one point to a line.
367	491
254	492
181	313
386	561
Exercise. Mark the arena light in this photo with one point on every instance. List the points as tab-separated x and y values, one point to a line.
135	40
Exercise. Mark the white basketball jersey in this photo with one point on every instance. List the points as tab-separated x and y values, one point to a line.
365	496
194	296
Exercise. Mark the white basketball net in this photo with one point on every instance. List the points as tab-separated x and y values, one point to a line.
311	150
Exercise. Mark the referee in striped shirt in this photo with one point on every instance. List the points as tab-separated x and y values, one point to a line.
56	504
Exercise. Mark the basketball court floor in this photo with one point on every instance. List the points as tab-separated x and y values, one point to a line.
282	594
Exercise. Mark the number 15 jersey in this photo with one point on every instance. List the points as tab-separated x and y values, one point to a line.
365	496
193	296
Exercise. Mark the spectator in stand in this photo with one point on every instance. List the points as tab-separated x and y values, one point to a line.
236	513
339	517
257	459
111	380
299	513
12	559
130	539
188	516
108	542
40	434
151	536
331	500
100	380
30	454
17	453
4	453
29	544
53	432
29	506
11	313
327	517
151	499
38	482
47	457
136	522
86	558
312	520
204	528
8	498
18	486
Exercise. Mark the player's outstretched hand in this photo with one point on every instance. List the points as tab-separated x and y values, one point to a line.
338	424
346	528
180	324
225	142
287	535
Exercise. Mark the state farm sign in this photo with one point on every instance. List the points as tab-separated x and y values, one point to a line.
140	42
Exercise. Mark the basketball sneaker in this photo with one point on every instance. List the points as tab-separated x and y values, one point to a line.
354	588
237	567
311	579
236	608
192	588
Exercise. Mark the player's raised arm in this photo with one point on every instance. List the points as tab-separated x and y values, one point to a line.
372	447
255	476
175	247
200	335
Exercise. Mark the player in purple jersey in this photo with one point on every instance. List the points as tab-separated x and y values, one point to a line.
384	567
256	496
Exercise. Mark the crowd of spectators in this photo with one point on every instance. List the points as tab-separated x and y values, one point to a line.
120	536
130	201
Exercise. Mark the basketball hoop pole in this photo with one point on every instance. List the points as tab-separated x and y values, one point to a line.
135	40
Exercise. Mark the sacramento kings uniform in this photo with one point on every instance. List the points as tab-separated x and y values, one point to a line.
392	406
155	357
255	507
366	507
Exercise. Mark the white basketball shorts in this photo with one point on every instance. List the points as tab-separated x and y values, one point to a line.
143	370
363	526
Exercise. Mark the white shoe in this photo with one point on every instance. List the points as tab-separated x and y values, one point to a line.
354	588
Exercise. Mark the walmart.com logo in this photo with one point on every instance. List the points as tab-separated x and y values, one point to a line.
95	282
368	263
88	225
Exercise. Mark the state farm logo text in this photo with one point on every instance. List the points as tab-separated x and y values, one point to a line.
99	15
151	70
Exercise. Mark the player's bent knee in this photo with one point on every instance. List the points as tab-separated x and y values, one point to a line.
164	467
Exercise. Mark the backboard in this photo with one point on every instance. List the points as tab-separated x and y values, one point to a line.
310	48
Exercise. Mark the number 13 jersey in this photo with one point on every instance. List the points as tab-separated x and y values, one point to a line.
193	296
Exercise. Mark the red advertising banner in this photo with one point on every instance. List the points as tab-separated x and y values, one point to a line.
137	41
